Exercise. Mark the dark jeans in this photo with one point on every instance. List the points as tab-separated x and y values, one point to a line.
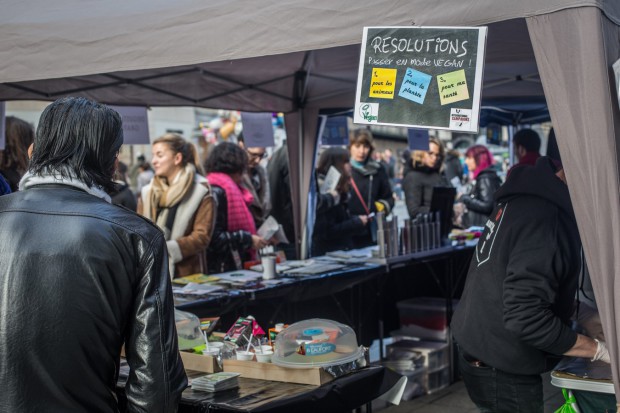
495	391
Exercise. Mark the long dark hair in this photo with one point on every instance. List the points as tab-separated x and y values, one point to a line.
338	158
80	137
19	136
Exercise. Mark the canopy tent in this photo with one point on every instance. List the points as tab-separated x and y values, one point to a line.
301	56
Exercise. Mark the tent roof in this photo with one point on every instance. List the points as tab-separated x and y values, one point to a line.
236	55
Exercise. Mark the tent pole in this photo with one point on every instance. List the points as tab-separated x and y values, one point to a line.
303	252
511	149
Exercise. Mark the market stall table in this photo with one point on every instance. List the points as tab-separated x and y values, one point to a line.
340	395
589	382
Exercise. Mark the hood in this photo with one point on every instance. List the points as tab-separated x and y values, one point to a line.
538	180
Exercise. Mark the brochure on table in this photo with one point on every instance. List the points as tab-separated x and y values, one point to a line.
424	77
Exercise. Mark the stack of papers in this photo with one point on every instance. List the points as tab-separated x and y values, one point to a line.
216	382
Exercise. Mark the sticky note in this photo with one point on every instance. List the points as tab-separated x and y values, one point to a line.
452	87
382	83
414	85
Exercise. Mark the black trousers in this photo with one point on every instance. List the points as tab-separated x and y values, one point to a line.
496	391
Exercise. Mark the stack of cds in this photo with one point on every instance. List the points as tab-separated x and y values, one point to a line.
216	382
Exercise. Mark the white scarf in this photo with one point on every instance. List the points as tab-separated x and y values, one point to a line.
29	180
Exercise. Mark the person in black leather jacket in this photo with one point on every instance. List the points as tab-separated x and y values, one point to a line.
234	234
479	201
80	277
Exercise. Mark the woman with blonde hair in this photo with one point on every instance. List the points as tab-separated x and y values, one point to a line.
180	202
424	175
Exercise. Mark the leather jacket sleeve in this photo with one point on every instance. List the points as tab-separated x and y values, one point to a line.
481	198
223	240
157	377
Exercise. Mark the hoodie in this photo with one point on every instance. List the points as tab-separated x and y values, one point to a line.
515	310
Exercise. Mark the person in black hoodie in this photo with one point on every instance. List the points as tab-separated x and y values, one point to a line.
512	322
370	187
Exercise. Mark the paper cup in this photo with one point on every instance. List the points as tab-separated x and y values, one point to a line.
269	267
245	355
212	351
264	357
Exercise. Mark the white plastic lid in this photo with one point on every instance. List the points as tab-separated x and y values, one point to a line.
316	343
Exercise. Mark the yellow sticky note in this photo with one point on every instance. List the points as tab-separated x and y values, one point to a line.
452	87
382	83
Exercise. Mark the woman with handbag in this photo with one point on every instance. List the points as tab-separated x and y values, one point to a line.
234	236
179	201
371	191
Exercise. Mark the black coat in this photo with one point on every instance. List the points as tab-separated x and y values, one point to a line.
280	191
223	243
515	311
334	225
418	186
81	277
374	186
124	196
479	201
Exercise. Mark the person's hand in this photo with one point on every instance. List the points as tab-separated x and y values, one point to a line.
602	352
258	242
363	218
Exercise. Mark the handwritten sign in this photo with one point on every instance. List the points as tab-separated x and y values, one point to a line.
417	76
2	125
418	139
257	129
382	83
135	124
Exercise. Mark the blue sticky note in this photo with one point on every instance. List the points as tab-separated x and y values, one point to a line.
417	139
414	85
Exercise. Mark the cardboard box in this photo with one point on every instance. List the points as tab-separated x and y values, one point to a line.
266	371
198	362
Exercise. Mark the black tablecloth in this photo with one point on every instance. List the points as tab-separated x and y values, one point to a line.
340	395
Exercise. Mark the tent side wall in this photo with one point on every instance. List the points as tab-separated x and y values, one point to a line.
574	51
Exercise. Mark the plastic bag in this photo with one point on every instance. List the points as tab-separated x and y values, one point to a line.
188	330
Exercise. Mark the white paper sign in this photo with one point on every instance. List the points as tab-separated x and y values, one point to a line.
331	180
460	119
2	125
135	124
257	130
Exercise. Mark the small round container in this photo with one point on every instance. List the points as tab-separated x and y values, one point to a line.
264	357
245	355
265	348
216	344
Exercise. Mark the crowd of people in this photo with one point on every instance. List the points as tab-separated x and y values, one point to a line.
210	211
111	267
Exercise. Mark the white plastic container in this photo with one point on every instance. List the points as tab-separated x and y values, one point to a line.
316	343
